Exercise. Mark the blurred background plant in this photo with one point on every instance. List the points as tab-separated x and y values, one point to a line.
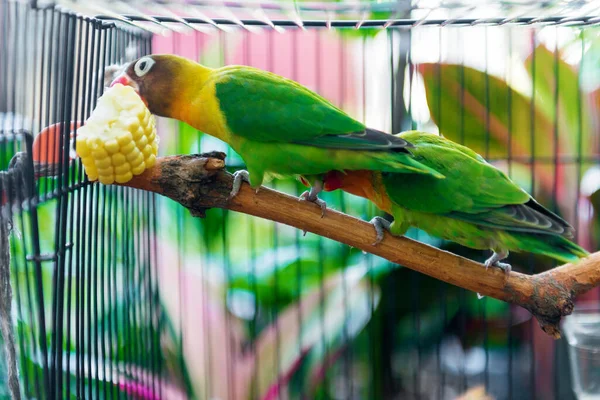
231	306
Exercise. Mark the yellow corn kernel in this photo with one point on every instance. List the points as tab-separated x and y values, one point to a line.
118	159
147	151
150	161
121	169
132	155
139	159
146	119
105	171
106	179
99	153
103	162
139	169
142	142
94	143
123	178
119	139
128	148
82	148
111	146
92	174
124	138
87	160
138	133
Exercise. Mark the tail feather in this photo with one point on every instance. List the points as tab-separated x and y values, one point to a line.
530	217
556	221
554	246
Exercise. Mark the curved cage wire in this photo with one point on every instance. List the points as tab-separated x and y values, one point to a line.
121	294
344	14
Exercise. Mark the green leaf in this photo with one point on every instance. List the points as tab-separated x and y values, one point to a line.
468	104
573	118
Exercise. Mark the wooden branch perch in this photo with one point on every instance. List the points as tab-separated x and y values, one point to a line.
199	182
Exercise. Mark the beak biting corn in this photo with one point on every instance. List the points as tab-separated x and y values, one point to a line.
119	139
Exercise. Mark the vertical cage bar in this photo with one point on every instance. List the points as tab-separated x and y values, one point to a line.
556	165
390	303
320	247
299	264
484	301
509	79
533	324
348	356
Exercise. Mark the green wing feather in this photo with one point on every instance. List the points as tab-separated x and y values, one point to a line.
520	218
262	106
474	190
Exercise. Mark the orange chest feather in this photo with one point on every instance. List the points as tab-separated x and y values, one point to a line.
368	185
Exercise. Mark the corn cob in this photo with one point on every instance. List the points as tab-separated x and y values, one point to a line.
119	139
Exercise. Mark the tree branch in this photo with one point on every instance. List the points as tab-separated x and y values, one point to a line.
199	182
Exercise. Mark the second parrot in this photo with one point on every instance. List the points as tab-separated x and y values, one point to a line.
476	205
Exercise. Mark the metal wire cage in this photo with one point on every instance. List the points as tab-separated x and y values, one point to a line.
121	294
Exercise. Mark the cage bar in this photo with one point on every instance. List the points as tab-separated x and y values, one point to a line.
119	293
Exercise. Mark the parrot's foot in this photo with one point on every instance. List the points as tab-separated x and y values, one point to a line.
316	200
495	259
312	195
238	177
504	267
381	225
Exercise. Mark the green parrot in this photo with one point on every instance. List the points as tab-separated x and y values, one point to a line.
476	205
279	127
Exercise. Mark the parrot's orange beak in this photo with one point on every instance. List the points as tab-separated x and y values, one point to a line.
123	79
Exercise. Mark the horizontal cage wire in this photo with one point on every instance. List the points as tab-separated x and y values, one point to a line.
199	14
119	293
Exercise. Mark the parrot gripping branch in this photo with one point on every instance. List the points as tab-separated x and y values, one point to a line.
199	182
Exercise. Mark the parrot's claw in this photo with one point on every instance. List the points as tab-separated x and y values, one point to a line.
381	225
312	195
494	261
505	267
321	203
239	177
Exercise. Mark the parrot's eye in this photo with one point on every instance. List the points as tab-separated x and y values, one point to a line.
143	65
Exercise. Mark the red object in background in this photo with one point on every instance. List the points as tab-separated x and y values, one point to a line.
46	152
47	145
